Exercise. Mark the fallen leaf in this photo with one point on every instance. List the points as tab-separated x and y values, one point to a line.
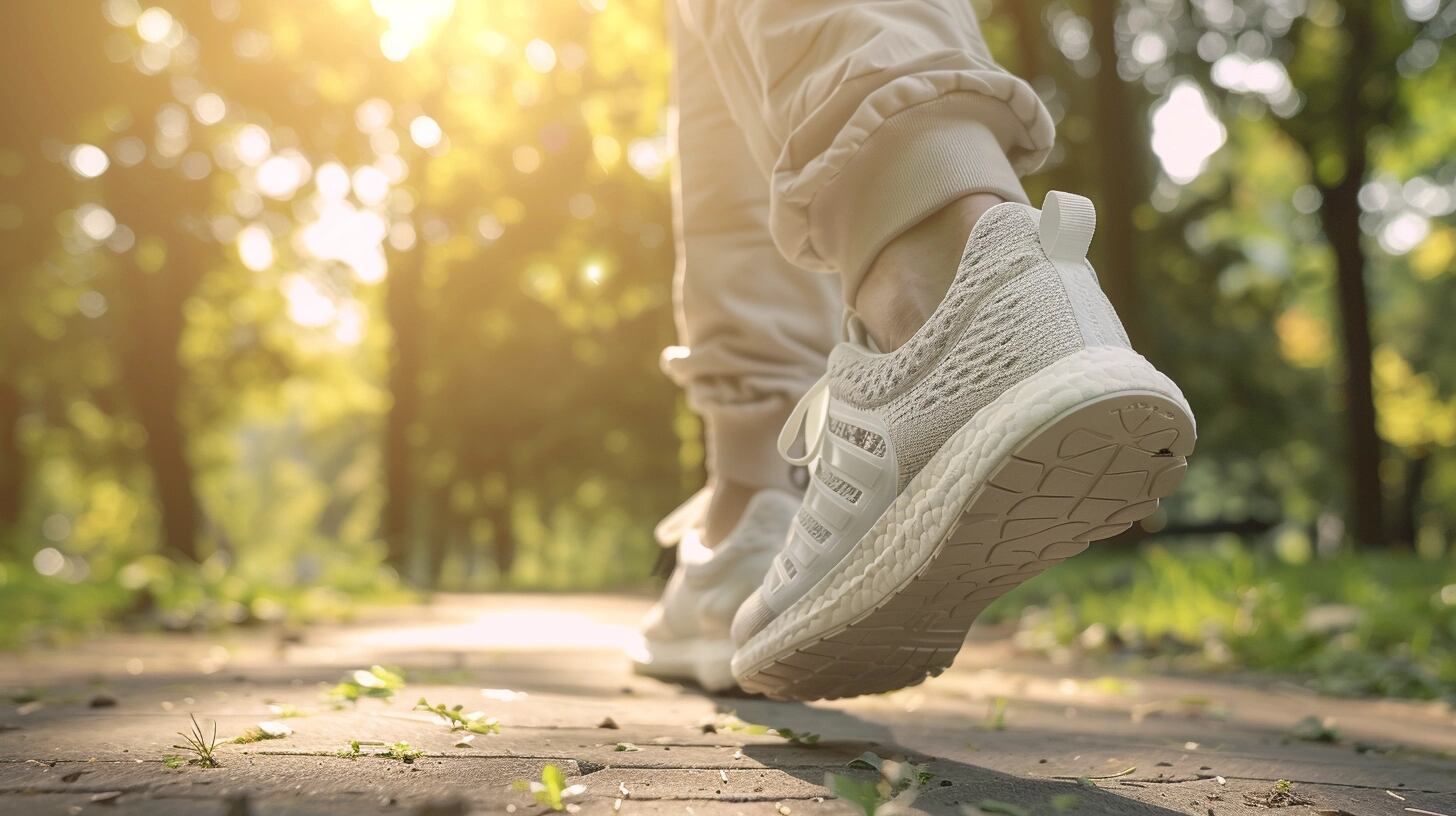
274	728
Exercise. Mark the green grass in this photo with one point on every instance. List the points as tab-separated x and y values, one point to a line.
1360	624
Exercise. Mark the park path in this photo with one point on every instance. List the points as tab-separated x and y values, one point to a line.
85	729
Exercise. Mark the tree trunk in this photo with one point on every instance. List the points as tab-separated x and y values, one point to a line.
1407	522
502	535
1030	34
12	459
1340	218
403	311
156	377
1120	182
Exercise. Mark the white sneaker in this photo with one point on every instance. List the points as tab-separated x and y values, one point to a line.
1016	426
686	635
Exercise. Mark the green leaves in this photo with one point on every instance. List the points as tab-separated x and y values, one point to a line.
797	737
475	722
894	791
376	682
401	751
1315	729
552	791
731	722
198	744
263	731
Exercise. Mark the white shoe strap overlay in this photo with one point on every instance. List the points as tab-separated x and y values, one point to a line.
1067	223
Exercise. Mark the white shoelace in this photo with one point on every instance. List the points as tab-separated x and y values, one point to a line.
809	416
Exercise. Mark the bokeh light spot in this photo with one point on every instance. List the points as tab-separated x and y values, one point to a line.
1186	132
154	24
88	161
425	132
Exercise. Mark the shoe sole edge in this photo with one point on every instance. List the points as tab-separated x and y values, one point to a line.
965	538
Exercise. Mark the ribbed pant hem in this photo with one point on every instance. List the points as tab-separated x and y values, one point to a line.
918	161
742	441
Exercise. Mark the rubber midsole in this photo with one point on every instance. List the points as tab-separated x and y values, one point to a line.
904	539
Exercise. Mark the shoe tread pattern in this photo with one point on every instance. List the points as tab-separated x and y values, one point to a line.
1088	475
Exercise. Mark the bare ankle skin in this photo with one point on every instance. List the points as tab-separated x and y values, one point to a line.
910	276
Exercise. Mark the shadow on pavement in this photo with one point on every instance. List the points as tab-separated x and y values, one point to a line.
955	785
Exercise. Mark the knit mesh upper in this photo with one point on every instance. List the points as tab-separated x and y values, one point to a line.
1005	316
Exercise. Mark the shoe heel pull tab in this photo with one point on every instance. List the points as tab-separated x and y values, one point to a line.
1067	223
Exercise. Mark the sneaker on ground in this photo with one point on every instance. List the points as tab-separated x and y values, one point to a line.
686	634
1015	427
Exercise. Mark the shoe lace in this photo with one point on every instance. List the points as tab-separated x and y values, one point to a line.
809	416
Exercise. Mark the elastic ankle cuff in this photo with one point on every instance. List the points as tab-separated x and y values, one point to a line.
741	443
917	162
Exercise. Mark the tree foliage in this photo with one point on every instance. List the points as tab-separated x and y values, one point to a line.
296	298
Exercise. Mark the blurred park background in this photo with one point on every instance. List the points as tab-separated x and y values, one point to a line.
304	304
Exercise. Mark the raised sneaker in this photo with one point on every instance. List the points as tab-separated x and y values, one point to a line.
686	634
1015	427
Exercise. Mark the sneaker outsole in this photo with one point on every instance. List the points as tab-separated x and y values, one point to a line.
1086	475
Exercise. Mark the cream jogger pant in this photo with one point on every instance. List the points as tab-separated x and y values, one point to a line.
808	134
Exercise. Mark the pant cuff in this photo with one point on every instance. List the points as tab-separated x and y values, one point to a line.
918	161
742	443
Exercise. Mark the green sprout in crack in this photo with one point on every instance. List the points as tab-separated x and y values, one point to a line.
1315	729
892	793
1280	794
286	711
731	722
905	772
552	791
198	744
996	715
797	737
263	731
402	751
475	722
376	681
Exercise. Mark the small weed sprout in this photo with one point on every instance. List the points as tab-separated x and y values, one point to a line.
475	722
798	737
1280	794
552	791
403	751
996	715
893	793
1315	729
263	731
198	744
376	682
731	722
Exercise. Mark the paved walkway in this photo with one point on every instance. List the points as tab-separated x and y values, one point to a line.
103	716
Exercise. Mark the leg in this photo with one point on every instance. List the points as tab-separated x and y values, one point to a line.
870	119
1000	421
755	330
755	334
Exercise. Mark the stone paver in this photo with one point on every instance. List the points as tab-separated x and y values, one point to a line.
1163	744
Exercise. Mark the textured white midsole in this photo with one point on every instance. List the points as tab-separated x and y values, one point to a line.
908	534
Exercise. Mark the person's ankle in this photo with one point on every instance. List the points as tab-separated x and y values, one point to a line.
909	278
